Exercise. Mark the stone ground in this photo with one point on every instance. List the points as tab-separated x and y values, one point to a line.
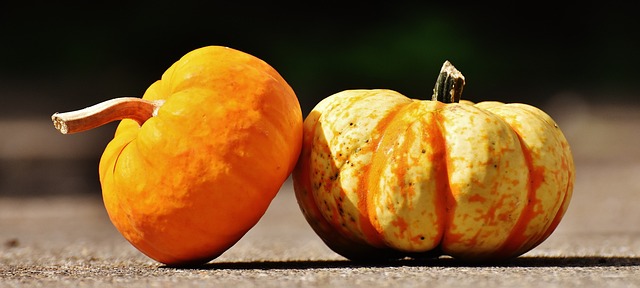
67	240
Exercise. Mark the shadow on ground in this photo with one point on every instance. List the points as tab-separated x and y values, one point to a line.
581	261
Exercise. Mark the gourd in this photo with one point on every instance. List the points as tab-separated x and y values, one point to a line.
195	163
382	176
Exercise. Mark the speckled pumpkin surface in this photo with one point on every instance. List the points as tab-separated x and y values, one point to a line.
383	176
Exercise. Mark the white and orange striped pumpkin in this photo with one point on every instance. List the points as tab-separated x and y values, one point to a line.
382	176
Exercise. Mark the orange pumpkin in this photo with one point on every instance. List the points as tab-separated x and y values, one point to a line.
382	176
196	162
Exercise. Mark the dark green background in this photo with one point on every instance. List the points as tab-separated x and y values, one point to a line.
58	57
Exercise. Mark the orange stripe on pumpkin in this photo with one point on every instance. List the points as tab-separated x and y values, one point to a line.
517	240
369	190
444	192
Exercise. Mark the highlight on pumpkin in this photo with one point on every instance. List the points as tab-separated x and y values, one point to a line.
102	113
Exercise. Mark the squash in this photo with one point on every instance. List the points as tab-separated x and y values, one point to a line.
382	176
195	163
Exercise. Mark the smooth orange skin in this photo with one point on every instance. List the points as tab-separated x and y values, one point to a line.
190	182
383	177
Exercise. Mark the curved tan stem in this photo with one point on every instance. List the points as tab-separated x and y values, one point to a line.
91	117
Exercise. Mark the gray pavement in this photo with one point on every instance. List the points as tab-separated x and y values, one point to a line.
68	241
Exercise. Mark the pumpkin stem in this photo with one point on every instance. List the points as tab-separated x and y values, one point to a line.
449	84
91	117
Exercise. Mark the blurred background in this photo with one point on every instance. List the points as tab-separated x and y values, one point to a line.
577	62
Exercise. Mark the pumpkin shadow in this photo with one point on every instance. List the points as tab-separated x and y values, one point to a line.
539	261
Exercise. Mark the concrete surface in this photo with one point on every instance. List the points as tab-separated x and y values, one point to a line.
68	241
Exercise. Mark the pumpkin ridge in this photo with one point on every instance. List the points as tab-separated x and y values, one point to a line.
373	229
558	216
517	242
568	191
334	237
302	179
443	185
569	167
516	239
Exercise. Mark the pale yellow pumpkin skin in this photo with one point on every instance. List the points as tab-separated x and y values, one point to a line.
384	176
